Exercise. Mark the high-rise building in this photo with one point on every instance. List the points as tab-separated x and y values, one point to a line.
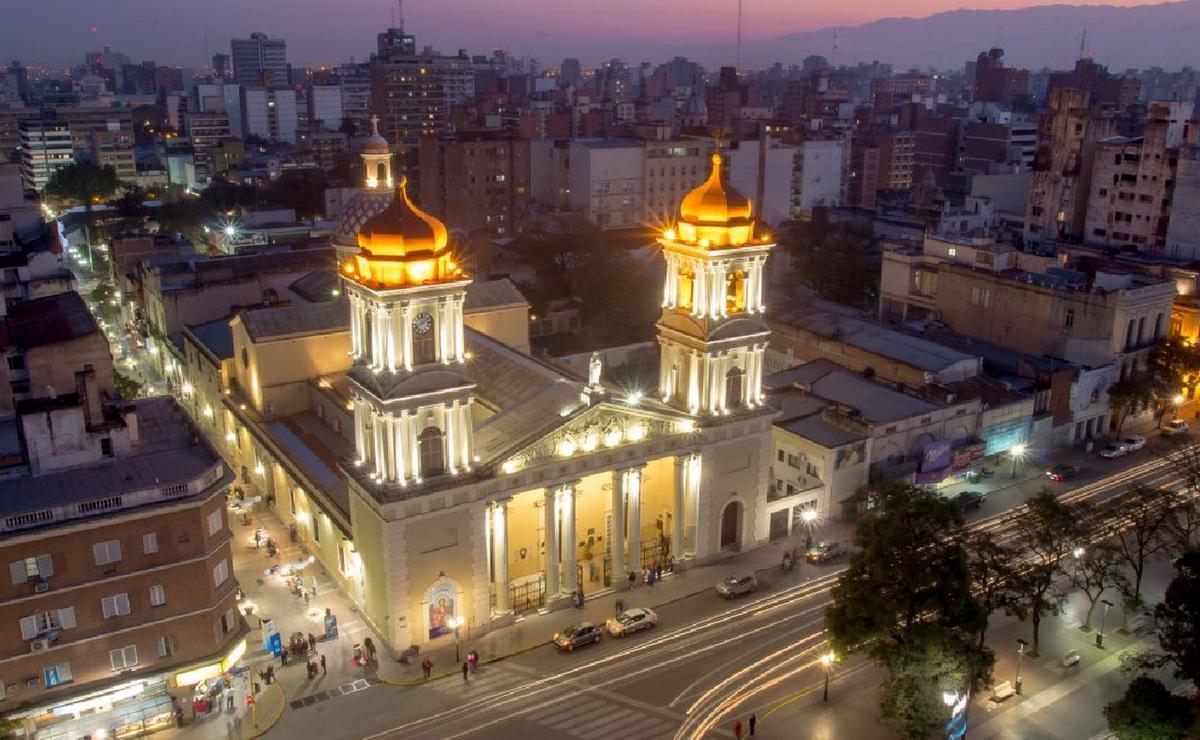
45	148
271	114
413	93
570	73
355	81
325	107
222	68
996	83
259	61
476	181
1104	89
113	147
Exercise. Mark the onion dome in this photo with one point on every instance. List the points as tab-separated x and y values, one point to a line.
402	229
360	209
715	202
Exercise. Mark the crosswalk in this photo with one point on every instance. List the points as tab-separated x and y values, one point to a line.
570	709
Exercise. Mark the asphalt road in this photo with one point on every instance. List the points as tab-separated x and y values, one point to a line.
707	662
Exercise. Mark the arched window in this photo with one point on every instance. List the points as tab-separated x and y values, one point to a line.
433	454
381	173
735	292
687	286
733	387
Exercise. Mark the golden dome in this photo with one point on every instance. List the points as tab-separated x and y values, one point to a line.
402	229
715	202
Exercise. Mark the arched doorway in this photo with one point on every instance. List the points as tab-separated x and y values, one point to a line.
433	456
731	526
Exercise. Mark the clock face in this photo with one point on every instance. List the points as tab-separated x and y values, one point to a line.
422	323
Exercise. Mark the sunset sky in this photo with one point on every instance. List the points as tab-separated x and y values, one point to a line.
330	31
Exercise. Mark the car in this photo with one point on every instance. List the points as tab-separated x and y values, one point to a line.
1113	450
1176	428
823	552
970	499
1134	442
577	635
1060	473
737	584
630	621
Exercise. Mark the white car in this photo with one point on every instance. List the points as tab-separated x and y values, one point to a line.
631	620
1176	428
1114	449
1134	443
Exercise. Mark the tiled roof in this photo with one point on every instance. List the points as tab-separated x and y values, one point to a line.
43	321
264	324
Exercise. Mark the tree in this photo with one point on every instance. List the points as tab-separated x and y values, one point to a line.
1129	396
1148	711
301	190
906	601
1139	525
126	386
1177	618
1047	531
1184	459
1098	571
836	260
993	576
83	184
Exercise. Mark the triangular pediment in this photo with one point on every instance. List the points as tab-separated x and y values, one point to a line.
603	426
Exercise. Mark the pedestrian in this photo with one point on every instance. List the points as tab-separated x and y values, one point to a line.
465	668
427	667
737	730
229	699
323	671
257	538
620	606
306	598
632	579
283	653
753	722
369	644
312	643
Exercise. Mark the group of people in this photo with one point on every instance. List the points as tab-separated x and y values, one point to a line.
651	575
737	726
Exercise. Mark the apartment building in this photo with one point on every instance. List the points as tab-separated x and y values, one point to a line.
45	148
412	93
476	181
113	147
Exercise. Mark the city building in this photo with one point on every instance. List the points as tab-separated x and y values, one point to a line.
1103	89
259	61
820	177
45	148
476	181
114	148
272	114
996	83
325	107
412	93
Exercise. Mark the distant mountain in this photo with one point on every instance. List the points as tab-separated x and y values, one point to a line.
1043	36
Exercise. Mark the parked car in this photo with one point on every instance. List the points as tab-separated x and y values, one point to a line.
1134	442
1059	473
970	499
1113	450
1176	428
577	635
630	621
823	552
737	584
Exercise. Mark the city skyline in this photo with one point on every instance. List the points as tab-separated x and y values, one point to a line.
317	34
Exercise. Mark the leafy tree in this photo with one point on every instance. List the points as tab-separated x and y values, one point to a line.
1139	525
83	184
1047	531
1098	571
1130	395
301	190
836	260
127	386
993	576
1177	618
906	601
185	216
1148	711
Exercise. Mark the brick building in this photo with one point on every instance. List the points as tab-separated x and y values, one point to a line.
476	181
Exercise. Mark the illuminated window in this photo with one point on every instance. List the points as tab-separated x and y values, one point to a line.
735	292
687	286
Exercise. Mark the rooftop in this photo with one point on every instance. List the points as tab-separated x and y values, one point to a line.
50	320
816	428
875	402
216	336
608	143
265	324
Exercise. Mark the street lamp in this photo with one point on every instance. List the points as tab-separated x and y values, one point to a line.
808	516
1103	620
1017	452
1020	652
1078	553
455	623
827	662
1176	402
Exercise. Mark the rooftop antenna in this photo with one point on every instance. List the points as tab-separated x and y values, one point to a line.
737	61
833	53
1083	44
400	7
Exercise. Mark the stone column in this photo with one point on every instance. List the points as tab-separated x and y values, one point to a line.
355	338
377	433
465	435
633	488
450	434
570	579
500	554
460	343
359	438
406	332
616	545
681	482
550	527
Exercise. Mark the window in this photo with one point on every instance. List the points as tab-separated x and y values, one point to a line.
226	624
316	527
166	646
433	456
36	624
107	552
150	543
220	572
1069	318
780	455
214	522
16	362
981	296
123	658
56	675
733	387
106	446
952	251
341	559
158	595
38	566
115	606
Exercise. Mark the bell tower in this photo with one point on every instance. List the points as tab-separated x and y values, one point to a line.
377	158
412	404
712	336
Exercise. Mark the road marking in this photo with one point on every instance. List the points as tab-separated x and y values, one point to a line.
616	721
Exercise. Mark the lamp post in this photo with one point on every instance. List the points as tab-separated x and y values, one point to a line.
1176	402
1103	620
809	517
1078	552
1020	652
1016	452
827	662
455	623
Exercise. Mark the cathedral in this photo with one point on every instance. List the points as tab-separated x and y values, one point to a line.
479	482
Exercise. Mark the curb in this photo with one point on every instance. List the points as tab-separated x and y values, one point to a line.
274	720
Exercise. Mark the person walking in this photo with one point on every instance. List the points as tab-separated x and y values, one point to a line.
466	667
632	579
283	653
427	667
753	722
312	643
323	671
737	730
619	606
